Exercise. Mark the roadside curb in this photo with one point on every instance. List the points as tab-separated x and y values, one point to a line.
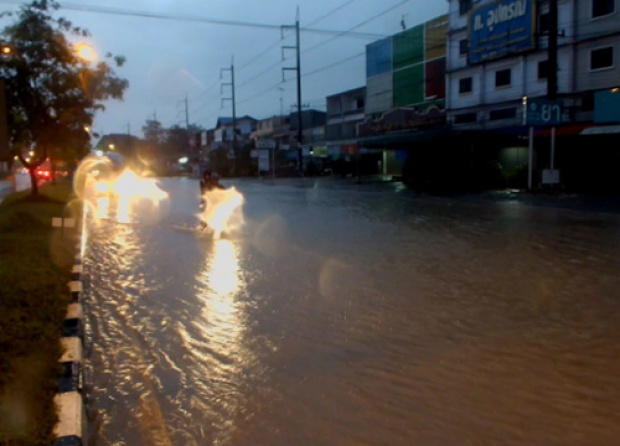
71	428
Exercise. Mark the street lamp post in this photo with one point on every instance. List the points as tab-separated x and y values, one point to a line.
5	158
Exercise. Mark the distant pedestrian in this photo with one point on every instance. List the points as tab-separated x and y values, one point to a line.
205	185
208	182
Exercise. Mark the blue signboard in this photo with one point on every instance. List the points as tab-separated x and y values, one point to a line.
501	28
542	111
379	57
607	106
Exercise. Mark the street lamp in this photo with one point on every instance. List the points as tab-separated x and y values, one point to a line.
6	51
86	52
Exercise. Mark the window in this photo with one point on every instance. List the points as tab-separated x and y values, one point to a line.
602	7
587	102
465	85
502	113
503	78
465	118
543	66
464	6
602	58
463	47
543	24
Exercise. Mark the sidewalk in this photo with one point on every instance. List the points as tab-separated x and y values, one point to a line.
563	200
7	187
34	268
16	183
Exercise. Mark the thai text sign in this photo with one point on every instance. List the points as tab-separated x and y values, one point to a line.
501	28
541	111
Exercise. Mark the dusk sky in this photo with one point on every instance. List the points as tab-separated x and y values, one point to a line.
178	48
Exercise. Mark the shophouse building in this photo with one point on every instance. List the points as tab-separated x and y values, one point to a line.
498	63
405	94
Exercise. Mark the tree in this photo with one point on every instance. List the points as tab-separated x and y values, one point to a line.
153	132
165	146
51	93
177	142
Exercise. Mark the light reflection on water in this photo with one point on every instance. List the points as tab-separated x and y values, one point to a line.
357	318
221	325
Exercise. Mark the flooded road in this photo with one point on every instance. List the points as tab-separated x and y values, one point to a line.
347	315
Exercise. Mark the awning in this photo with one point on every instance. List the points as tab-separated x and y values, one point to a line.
601	130
565	130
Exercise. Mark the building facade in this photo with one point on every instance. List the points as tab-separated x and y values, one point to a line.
407	69
498	62
405	97
345	112
223	133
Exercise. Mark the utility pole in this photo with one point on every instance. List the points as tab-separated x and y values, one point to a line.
185	103
5	157
552	58
281	102
298	70
187	136
187	113
231	84
552	70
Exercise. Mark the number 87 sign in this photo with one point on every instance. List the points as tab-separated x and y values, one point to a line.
540	111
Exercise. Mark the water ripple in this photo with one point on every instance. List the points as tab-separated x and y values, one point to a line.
348	317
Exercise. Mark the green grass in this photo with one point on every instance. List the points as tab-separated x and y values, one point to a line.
35	263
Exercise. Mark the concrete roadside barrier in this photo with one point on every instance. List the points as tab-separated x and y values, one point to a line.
75	287
73	324
72	362
71	429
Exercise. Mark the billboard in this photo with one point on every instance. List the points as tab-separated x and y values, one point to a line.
408	47
435	37
501	28
408	86
435	75
607	106
379	57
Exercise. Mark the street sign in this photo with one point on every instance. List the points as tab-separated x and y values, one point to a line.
265	144
550	176
541	111
263	160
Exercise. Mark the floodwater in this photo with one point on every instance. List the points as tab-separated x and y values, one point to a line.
355	315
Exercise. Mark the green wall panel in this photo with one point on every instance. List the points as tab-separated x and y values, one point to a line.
409	86
408	47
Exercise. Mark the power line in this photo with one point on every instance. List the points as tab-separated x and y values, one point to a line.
257	76
274	45
355	56
333	11
190	18
362	23
255	58
370	19
277	43
257	95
